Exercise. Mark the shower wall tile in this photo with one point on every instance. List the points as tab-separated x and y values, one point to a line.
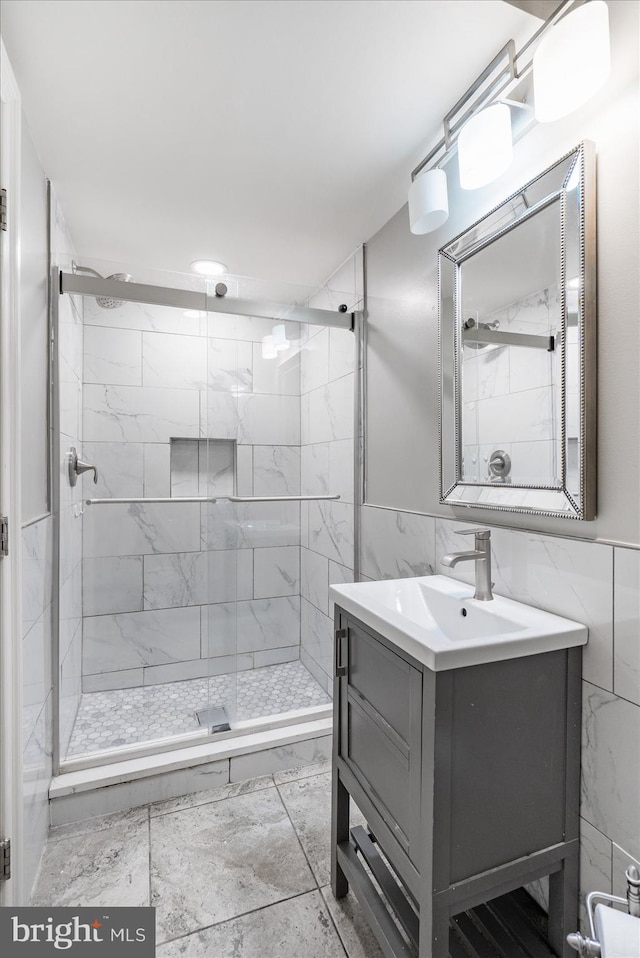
317	636
230	366
331	530
120	469
157	469
338	574
314	579
257	625
37	759
219	415
244	470
626	681
611	767
105	681
621	860
112	356
276	470
279	376
276	572
314	469
174	361
141	529
139	414
194	578
70	689
70	608
331	411
341	469
223	663
137	639
272	420
396	544
595	866
160	319
242	328
37	570
238	525
342	353
314	368
319	674
36	686
527	416
276	656
112	584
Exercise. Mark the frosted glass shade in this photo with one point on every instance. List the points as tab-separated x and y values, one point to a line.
269	350
485	147
279	337
572	61
428	202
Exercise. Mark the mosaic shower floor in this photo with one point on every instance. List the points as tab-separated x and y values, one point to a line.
127	716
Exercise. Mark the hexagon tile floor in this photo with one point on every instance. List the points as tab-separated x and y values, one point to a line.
127	716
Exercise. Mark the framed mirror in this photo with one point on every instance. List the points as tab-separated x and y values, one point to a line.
517	341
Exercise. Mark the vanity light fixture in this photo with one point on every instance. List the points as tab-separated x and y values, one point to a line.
571	46
572	62
208	267
485	147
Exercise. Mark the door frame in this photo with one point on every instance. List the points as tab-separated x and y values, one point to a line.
11	765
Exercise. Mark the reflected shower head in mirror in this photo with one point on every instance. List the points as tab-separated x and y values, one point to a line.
106	302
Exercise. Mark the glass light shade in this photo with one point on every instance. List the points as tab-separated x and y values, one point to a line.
279	337
428	202
572	61
485	147
269	350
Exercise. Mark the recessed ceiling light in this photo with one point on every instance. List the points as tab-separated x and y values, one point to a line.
208	267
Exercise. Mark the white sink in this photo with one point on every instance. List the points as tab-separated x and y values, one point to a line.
437	621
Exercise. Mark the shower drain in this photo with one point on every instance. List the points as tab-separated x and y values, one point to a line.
215	718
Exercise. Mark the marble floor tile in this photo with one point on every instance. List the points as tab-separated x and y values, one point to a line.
291	929
232	790
105	867
131	818
308	802
218	861
353	929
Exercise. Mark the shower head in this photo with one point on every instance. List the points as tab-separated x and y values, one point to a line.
106	302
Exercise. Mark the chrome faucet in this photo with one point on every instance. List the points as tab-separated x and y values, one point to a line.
482	557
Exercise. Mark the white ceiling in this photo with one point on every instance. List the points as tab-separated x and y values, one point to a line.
274	135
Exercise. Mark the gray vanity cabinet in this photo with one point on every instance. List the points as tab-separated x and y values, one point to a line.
468	780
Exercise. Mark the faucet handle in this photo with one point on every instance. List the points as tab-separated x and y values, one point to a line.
478	533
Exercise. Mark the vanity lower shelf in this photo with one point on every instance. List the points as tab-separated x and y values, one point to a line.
469	781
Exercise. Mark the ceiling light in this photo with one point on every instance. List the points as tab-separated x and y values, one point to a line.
428	201
208	267
572	61
485	146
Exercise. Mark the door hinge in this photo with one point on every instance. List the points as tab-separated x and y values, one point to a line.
5	859
341	669
4	537
3	210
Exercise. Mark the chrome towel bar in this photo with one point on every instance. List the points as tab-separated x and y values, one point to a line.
278	498
102	502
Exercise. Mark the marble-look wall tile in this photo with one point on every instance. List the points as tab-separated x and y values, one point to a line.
564	576
314	368
219	415
70	689
120	469
37	766
396	544
324	681
157	468
527	416
337	575
331	530
161	319
314	579
171	360
139	414
341	469
105	681
314	469
626	624
272	420
331	411
611	767
244	469
621	860
276	572
36	686
112	356
256	625
230	366
195	578
290	653
37	569
70	607
595	865
276	470
342	353
238	525
280	376
137	639
316	636
141	529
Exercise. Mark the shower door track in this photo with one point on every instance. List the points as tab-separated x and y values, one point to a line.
202	302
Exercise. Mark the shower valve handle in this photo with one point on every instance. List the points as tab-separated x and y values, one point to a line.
78	466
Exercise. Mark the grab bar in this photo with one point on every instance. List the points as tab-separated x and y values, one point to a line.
101	502
278	498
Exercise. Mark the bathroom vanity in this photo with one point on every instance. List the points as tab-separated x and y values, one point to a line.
462	751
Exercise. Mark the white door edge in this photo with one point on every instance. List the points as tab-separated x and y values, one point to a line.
12	892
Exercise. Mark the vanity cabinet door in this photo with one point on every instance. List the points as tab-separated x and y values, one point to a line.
380	729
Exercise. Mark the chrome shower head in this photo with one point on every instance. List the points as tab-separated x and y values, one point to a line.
106	302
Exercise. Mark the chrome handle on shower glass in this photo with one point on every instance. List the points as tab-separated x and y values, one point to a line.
76	466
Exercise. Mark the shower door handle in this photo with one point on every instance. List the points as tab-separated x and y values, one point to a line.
77	466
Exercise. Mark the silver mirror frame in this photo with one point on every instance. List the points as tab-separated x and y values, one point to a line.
541	500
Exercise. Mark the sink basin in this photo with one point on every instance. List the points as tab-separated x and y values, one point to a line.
437	621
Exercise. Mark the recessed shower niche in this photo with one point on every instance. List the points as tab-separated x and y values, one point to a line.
202	467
